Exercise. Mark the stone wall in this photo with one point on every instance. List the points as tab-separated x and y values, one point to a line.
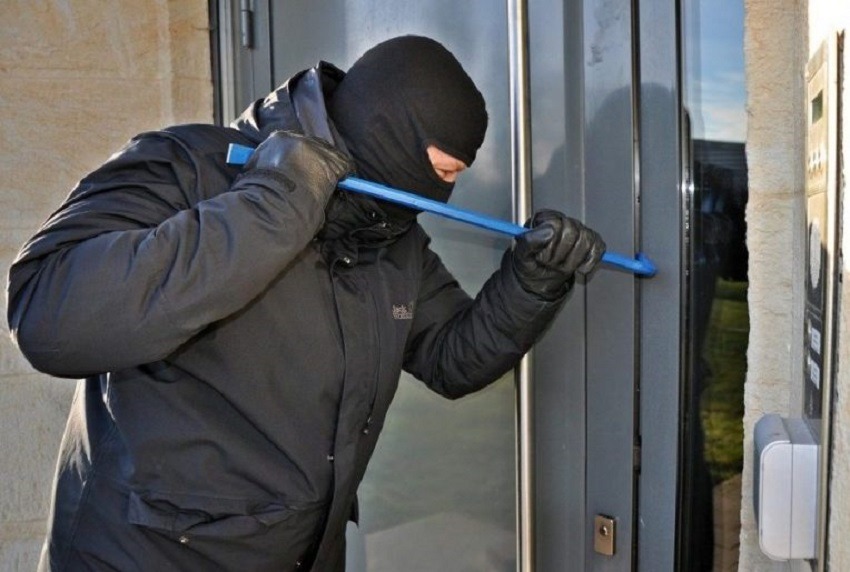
780	39
773	46
77	79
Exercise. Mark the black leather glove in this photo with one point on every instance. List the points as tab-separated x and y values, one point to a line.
547	257
299	161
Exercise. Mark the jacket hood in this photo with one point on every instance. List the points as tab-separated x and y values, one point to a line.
299	104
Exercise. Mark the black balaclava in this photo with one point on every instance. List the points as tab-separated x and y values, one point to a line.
401	96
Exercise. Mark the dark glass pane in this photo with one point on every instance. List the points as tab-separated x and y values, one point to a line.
719	323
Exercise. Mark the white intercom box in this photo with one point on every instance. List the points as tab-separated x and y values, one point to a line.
786	487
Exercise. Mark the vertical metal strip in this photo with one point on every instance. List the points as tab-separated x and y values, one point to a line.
835	73
520	111
637	84
227	68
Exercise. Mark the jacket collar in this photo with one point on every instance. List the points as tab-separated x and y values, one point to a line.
355	224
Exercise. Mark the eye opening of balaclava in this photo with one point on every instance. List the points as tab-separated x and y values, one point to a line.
401	96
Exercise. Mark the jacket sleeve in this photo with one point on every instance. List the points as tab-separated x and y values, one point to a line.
459	345
139	259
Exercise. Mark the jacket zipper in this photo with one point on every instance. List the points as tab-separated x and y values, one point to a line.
374	398
332	270
377	379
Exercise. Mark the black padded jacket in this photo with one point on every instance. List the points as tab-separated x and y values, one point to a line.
236	369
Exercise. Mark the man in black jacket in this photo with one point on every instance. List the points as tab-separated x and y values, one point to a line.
241	332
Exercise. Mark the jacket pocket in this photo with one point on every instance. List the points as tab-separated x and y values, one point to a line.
208	517
234	534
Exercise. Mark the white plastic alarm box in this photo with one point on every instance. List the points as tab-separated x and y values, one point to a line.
786	487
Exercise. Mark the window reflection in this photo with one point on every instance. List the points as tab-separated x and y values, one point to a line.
718	369
715	102
439	494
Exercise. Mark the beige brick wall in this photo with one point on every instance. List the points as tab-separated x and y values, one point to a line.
780	38
774	230
77	79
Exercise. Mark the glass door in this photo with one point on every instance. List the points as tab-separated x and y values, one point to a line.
716	172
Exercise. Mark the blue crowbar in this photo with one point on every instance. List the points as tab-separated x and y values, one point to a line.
639	265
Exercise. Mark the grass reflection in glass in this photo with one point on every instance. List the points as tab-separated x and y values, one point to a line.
722	403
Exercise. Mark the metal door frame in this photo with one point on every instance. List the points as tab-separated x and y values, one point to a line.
663	301
622	101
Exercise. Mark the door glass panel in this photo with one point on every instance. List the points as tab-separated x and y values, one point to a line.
714	97
439	493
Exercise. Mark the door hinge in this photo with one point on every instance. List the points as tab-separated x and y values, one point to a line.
636	458
246	24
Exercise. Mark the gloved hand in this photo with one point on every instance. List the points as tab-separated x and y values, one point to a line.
300	161
547	257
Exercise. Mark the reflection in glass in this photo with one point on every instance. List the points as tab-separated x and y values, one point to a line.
715	102
440	490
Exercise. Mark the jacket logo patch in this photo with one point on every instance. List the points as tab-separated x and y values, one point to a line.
403	311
